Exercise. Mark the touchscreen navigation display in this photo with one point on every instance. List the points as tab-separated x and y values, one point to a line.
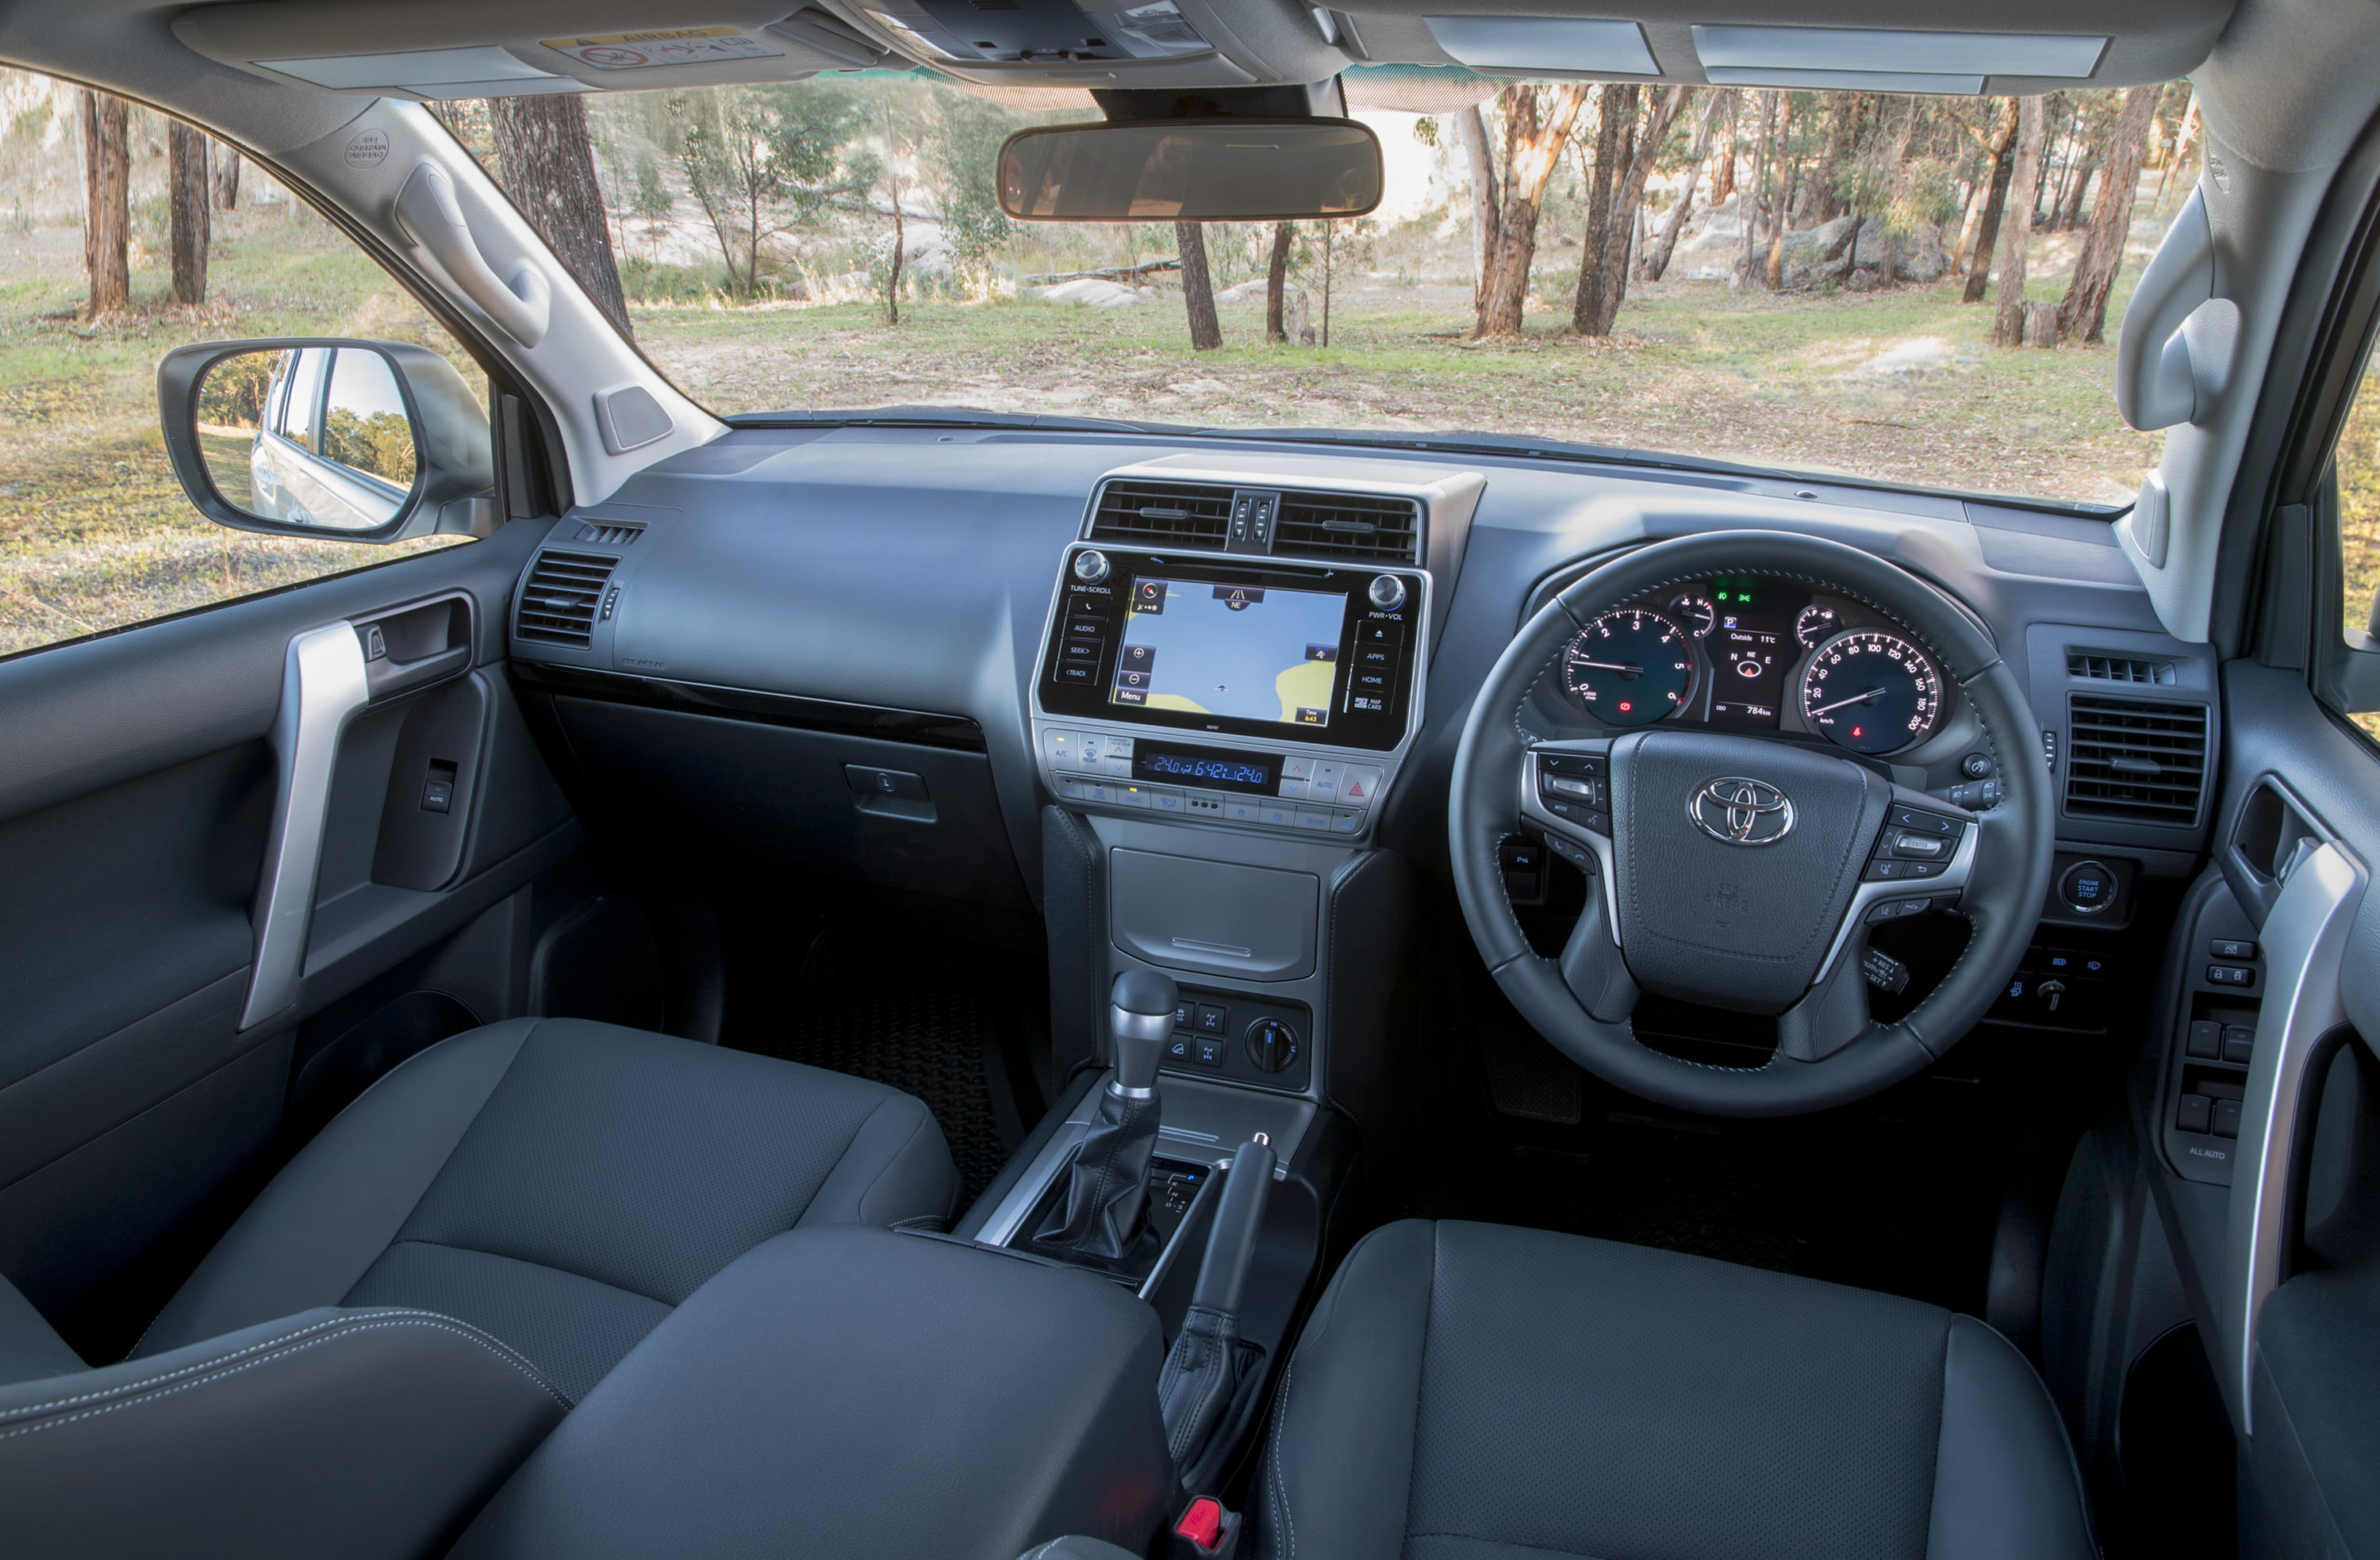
1241	651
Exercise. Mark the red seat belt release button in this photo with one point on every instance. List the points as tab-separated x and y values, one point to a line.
1203	1523
1206	1531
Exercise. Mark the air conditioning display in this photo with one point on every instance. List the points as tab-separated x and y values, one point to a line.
1230	648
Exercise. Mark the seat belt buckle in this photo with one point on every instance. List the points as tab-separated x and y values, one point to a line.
1206	1531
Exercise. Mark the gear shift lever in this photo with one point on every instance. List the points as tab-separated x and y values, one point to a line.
1107	1197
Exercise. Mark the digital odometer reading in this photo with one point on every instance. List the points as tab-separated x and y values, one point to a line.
1871	692
1216	769
1630	667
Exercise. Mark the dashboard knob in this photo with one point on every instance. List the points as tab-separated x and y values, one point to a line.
1090	566
1388	592
1272	1045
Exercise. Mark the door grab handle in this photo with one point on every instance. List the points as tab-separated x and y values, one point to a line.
387	678
323	684
521	305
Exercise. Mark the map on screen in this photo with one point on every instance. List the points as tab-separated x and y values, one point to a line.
1243	651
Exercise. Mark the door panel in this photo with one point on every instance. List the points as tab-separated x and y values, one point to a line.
137	795
2285	1285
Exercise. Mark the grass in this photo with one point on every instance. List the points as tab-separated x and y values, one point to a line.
1694	367
96	533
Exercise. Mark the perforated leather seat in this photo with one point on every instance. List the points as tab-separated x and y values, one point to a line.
1474	1392
562	1185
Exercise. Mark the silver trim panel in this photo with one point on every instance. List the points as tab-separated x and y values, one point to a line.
322	686
2304	943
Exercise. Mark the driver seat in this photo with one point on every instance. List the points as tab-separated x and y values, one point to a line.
1478	1392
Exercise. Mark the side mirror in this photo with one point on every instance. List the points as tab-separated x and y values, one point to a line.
321	437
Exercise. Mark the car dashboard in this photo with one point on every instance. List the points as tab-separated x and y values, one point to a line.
1223	671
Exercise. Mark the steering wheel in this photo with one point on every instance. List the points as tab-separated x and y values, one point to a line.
1743	872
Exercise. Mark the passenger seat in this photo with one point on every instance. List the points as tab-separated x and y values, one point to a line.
562	1186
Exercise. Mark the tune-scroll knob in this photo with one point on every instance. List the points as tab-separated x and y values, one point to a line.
1090	566
1388	592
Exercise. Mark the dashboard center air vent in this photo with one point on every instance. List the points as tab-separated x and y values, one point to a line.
609	533
2102	667
1355	527
2128	758
1164	514
559	598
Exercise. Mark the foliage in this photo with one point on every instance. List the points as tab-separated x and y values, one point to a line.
233	395
769	159
380	445
961	145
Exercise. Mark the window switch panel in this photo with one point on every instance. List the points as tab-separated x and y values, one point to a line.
438	790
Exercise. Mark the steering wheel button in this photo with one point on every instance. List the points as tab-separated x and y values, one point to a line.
1583	790
1923	823
1921	847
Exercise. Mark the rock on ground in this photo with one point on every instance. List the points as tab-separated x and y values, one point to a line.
1091	291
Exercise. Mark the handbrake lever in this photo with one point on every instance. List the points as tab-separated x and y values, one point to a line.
1203	1369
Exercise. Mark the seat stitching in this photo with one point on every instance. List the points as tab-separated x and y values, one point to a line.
1421	1378
1506	1543
916	1131
213	1372
1280	1442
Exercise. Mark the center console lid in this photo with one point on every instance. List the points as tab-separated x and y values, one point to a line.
853	1390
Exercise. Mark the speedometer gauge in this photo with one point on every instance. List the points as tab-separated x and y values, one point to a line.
1629	667
1872	692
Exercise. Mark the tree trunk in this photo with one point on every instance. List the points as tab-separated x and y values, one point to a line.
1627	202
2077	193
1987	232
2083	312
107	214
548	167
1785	180
2016	228
1658	253
1587	308
900	245
1197	288
226	177
1748	208
1471	130
1277	281
1537	121
1723	177
187	198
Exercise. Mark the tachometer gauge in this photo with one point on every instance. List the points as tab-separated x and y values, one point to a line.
1872	692
1812	626
1630	667
1694	613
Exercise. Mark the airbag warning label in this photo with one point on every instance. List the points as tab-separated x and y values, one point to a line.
678	45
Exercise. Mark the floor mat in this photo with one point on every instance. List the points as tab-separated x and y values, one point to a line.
863	1002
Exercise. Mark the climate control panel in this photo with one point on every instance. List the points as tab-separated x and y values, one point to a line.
1180	779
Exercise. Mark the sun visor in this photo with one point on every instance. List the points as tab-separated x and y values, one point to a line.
443	49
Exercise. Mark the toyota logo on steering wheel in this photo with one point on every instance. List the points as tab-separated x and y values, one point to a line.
1736	811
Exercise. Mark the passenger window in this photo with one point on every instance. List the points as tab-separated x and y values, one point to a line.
96	533
2356	464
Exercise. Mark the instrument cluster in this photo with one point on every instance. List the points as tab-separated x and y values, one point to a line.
1750	653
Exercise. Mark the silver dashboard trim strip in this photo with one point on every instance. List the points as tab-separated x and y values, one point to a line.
2304	943
322	686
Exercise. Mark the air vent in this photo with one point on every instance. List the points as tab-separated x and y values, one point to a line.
558	602
2101	668
607	534
2129	759
1351	526
1164	514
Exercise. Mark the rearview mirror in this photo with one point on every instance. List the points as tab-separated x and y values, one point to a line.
369	441
1192	170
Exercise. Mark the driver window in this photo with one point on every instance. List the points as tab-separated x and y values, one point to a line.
2355	465
301	391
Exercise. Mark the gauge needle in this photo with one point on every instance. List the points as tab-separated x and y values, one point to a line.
1856	698
1628	667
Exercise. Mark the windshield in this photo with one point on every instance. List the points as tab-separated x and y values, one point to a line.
1919	290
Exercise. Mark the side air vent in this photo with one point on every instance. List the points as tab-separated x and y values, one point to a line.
558	602
1164	514
2118	669
1350	525
2127	758
609	533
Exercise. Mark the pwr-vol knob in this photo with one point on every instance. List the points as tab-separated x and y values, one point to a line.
1388	592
